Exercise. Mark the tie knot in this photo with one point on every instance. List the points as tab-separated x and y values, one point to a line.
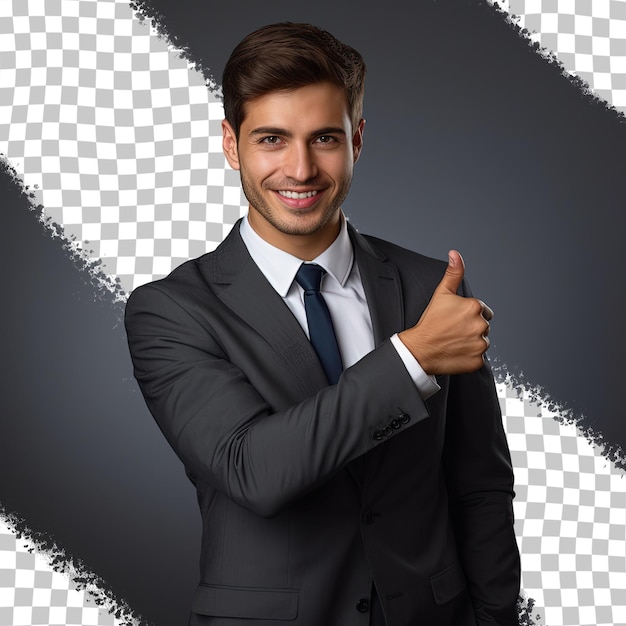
309	276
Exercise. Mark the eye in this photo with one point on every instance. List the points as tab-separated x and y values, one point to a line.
326	139
271	140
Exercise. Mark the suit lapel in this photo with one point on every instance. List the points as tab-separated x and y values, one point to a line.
241	285
381	283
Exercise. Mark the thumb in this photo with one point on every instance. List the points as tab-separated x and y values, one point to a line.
455	271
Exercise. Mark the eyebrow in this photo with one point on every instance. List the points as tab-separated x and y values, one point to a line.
283	132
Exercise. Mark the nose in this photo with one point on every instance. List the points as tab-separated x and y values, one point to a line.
300	163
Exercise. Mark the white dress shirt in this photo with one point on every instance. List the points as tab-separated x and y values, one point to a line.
343	292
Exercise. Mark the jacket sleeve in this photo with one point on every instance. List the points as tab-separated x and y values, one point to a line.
223	429
480	486
480	482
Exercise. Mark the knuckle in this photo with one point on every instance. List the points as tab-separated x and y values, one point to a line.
477	327
475	306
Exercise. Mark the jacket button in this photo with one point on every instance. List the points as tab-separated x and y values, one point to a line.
404	418
395	423
377	435
369	517
363	605
387	431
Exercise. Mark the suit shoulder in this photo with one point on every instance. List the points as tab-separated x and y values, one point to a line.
393	249
184	285
414	265
185	274
407	260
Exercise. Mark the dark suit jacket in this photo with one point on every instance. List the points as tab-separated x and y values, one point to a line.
294	528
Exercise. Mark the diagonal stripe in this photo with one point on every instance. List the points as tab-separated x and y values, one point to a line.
121	137
587	38
118	133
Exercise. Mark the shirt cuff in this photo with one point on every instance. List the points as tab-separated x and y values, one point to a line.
426	385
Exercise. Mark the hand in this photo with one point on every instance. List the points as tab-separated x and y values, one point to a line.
451	337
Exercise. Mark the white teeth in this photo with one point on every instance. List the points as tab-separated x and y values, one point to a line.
295	194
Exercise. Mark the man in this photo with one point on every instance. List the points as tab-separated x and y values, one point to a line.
380	494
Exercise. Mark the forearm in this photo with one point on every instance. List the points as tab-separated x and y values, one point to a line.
226	431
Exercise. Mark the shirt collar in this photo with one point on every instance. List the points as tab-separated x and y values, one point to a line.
280	267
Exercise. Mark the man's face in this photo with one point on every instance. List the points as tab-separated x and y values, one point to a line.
296	153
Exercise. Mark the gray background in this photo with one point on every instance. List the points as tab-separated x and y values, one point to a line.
472	141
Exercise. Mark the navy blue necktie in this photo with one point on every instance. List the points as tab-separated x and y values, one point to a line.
321	331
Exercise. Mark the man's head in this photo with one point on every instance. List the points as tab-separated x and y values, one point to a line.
286	56
293	101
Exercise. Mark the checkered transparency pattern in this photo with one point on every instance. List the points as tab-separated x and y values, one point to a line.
588	37
122	138
32	593
570	512
119	134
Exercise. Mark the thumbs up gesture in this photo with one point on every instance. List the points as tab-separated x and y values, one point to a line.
451	337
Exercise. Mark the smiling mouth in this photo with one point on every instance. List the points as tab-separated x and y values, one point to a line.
295	195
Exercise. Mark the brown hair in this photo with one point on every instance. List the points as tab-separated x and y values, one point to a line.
287	56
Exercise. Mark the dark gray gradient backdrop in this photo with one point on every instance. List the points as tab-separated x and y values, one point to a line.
472	141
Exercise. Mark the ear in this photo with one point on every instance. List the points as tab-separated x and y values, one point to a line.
229	145
357	140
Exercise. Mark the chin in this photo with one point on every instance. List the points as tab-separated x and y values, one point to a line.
310	224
